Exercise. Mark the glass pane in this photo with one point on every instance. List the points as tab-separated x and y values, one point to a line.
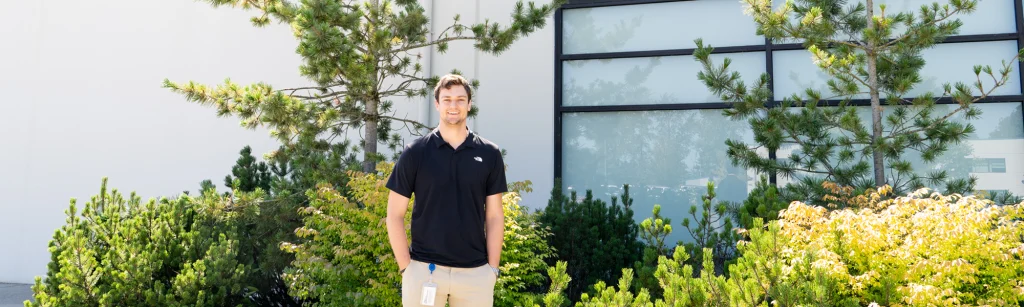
997	165
651	80
994	153
667	158
672	25
989	17
980	166
945	63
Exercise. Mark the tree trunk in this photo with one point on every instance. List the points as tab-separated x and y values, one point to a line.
876	106
370	136
370	119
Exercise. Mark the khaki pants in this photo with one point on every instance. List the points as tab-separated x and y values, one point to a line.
460	287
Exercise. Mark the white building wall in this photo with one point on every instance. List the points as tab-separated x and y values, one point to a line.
83	100
1012	151
516	94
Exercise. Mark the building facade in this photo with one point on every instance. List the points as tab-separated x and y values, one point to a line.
605	94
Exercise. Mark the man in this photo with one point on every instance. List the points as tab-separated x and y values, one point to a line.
458	223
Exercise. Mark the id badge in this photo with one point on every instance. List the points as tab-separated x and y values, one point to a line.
429	293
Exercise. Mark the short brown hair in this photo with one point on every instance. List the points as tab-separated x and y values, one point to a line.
450	80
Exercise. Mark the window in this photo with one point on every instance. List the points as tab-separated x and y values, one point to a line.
646	80
994	135
989	165
630	110
794	71
656	26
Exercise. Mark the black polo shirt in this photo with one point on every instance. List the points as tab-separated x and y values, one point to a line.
451	186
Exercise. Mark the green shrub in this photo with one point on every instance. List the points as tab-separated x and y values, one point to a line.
249	173
595	239
763	202
759	278
523	258
711	231
344	256
122	252
281	184
653	230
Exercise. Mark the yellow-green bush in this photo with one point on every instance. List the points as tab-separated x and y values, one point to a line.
931	249
917	250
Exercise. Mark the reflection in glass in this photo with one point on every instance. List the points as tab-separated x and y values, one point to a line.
657	26
667	158
650	80
998	141
989	17
795	71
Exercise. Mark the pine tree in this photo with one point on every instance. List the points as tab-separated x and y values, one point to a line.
763	202
595	238
249	173
865	54
119	250
712	231
361	55
653	231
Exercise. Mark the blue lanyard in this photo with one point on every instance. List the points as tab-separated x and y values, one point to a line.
432	267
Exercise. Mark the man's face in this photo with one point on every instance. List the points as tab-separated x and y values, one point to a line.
453	105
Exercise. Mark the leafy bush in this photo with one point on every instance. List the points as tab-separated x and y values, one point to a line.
172	252
916	250
595	239
759	277
254	218
346	258
523	258
932	249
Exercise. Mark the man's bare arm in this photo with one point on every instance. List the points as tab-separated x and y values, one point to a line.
495	225
397	206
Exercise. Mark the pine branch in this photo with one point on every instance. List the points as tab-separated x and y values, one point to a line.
962	107
282	9
793	135
404	85
456	27
333	94
293	90
413	122
436	42
898	127
765	17
910	33
491	37
805	170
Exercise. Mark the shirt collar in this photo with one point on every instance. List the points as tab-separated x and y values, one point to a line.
438	141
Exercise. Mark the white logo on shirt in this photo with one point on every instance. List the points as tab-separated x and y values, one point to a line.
478	159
